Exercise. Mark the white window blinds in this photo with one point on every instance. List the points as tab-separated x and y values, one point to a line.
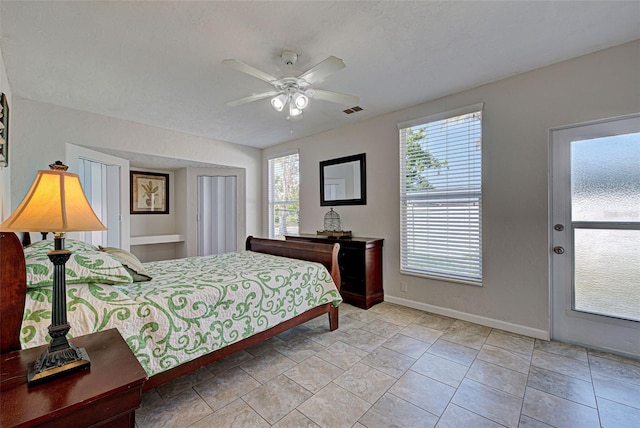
441	195
284	199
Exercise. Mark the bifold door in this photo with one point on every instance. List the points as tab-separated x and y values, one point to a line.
217	214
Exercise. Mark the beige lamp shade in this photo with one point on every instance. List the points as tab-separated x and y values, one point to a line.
55	203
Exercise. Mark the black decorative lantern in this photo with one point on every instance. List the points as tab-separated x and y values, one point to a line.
332	221
332	226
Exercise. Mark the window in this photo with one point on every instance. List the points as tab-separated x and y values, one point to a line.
284	199
441	196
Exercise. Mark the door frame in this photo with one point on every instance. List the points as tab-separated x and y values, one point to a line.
561	297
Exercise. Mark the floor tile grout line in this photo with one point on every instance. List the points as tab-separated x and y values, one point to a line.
415	320
465	377
593	387
256	410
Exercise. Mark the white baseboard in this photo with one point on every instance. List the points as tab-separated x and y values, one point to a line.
489	322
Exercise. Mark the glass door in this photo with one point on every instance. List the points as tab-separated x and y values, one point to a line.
595	235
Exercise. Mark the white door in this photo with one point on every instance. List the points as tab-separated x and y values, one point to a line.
107	189
217	214
595	234
101	185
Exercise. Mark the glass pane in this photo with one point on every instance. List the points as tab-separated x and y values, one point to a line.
607	272
605	174
286	219
284	199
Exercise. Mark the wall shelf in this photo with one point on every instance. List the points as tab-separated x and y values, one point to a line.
156	239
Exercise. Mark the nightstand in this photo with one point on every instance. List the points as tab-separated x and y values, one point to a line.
108	392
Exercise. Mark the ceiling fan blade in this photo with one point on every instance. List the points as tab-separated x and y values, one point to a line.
319	72
251	98
251	71
336	97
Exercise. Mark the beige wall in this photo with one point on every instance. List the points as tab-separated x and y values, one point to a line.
518	113
39	133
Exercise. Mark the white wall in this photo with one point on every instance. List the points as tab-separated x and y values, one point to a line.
5	188
518	113
40	131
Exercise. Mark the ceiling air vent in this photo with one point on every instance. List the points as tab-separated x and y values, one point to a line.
352	110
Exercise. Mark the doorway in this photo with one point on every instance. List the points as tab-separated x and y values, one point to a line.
595	234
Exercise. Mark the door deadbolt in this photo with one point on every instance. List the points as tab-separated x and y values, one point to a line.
558	250
559	227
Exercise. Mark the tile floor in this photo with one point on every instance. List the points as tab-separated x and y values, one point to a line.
393	366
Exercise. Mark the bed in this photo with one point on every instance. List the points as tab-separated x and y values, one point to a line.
193	312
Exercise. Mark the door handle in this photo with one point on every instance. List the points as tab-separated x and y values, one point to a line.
558	249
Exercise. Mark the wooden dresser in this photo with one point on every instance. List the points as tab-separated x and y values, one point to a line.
360	268
108	393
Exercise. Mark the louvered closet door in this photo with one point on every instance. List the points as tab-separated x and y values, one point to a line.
101	184
217	214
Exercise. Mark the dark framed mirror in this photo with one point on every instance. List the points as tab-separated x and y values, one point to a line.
343	181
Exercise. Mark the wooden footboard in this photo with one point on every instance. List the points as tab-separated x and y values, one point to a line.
13	291
327	254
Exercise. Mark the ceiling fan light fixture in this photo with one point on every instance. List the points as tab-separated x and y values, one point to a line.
291	90
294	111
279	102
300	100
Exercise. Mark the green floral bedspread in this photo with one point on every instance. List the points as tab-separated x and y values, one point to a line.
192	306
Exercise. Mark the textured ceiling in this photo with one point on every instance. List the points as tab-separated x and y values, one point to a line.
159	63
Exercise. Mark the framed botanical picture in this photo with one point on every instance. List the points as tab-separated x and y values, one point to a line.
149	193
4	131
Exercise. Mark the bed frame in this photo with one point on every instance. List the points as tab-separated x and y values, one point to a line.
13	291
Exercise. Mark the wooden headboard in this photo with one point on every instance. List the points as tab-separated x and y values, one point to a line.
13	291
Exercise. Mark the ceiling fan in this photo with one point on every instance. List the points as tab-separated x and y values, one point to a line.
294	92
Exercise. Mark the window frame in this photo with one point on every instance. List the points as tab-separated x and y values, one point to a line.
467	195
